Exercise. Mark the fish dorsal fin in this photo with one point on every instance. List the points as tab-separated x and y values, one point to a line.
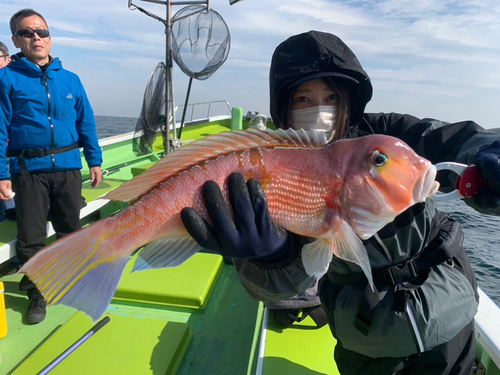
212	147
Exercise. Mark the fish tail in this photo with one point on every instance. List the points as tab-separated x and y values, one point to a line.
71	271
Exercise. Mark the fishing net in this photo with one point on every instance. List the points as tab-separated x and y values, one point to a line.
200	45
200	41
152	118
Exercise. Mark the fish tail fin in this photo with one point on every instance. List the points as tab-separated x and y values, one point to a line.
71	271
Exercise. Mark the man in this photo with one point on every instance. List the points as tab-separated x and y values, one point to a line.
44	117
4	55
4	60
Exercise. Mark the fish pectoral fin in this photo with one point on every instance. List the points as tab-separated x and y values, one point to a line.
348	246
166	253
316	256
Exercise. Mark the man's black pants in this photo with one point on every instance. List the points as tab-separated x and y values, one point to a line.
58	193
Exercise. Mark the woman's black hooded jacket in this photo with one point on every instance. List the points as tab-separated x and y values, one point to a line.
445	288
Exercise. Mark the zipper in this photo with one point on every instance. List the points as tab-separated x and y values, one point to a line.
410	317
50	119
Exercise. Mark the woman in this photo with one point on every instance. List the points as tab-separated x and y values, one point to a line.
420	318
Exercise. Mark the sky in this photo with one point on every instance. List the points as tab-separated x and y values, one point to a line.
428	58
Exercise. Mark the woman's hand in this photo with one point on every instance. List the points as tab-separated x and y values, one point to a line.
487	160
252	234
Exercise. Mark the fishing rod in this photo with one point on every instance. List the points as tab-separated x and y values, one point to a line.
73	347
108	171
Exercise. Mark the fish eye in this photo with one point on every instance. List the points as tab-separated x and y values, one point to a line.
379	159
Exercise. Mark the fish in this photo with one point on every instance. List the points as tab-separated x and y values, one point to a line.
338	193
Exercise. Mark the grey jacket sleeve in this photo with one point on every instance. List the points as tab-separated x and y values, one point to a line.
469	148
273	285
278	284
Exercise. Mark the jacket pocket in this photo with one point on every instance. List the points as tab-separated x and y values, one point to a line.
64	106
447	247
444	304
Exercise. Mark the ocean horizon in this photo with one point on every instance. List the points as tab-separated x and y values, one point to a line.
107	126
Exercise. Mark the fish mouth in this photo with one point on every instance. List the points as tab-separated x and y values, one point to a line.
426	186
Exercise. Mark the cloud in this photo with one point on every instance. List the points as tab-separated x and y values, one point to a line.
429	58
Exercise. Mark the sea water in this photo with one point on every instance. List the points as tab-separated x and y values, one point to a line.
482	241
108	126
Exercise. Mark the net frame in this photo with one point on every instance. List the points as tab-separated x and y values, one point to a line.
201	34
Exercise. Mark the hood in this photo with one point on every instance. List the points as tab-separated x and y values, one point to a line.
321	54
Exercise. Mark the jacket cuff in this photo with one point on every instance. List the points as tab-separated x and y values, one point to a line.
284	258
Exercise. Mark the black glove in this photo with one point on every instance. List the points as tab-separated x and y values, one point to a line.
252	235
487	160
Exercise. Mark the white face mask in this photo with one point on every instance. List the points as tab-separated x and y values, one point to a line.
321	118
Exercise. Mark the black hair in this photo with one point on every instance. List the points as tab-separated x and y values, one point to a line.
20	14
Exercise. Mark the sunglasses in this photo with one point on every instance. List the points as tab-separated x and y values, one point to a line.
27	33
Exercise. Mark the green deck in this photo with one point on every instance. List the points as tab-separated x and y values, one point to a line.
188	285
222	333
121	339
8	232
193	319
225	335
300	349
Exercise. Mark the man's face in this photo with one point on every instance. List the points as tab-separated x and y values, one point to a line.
35	49
4	60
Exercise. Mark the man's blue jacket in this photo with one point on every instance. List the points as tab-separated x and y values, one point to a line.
45	110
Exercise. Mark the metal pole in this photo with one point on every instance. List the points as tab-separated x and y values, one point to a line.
73	347
168	76
169	91
185	106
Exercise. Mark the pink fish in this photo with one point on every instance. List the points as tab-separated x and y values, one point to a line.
338	193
